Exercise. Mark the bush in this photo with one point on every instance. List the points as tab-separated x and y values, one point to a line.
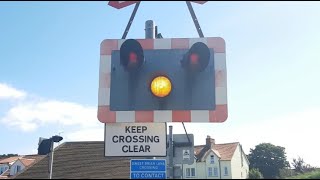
255	174
310	175
284	173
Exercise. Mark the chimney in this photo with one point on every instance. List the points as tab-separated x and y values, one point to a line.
210	142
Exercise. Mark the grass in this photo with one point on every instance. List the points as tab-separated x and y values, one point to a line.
310	175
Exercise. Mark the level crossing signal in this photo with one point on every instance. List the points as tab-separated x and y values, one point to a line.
179	75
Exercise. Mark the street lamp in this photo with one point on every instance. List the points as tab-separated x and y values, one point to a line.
46	146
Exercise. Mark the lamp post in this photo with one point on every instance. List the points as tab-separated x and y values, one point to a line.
53	140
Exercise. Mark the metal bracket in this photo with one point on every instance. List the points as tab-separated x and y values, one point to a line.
186	133
193	15
130	20
194	18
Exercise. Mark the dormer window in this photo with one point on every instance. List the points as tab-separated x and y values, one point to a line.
18	168
212	159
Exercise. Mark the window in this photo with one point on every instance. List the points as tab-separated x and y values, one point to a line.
226	171
190	172
18	168
212	159
3	169
210	172
215	171
193	172
241	160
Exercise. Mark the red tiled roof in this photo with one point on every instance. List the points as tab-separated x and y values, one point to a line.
197	149
9	160
35	157
226	151
26	162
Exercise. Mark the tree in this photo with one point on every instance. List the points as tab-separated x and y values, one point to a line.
255	174
8	155
300	166
269	159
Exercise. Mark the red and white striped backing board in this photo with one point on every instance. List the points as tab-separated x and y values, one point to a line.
220	114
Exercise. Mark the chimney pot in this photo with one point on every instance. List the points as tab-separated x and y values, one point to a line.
210	142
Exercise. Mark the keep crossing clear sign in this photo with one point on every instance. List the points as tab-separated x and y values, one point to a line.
135	139
148	169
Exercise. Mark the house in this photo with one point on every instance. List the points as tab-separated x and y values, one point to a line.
77	160
9	167
218	161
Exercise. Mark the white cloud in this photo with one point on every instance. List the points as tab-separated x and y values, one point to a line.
7	92
28	116
28	113
84	134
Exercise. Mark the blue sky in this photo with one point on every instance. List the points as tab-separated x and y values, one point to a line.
49	69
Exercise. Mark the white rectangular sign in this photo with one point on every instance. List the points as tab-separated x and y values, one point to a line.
135	139
186	154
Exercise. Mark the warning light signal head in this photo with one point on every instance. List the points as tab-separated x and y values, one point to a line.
131	55
161	86
197	58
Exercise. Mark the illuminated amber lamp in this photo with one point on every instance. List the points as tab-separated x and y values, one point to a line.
161	86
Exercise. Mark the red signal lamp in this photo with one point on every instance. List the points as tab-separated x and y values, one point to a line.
131	55
197	58
194	58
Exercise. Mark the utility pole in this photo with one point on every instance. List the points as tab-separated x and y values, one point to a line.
51	160
150	34
171	153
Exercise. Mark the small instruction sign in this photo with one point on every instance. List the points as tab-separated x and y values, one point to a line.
186	154
148	169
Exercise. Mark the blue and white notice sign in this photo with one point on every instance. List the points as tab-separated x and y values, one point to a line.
148	169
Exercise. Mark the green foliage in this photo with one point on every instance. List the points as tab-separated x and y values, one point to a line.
309	175
269	159
300	166
8	155
255	174
284	173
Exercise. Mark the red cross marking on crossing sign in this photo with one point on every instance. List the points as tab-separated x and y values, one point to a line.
122	4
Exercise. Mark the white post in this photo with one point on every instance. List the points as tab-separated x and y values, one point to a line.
51	160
